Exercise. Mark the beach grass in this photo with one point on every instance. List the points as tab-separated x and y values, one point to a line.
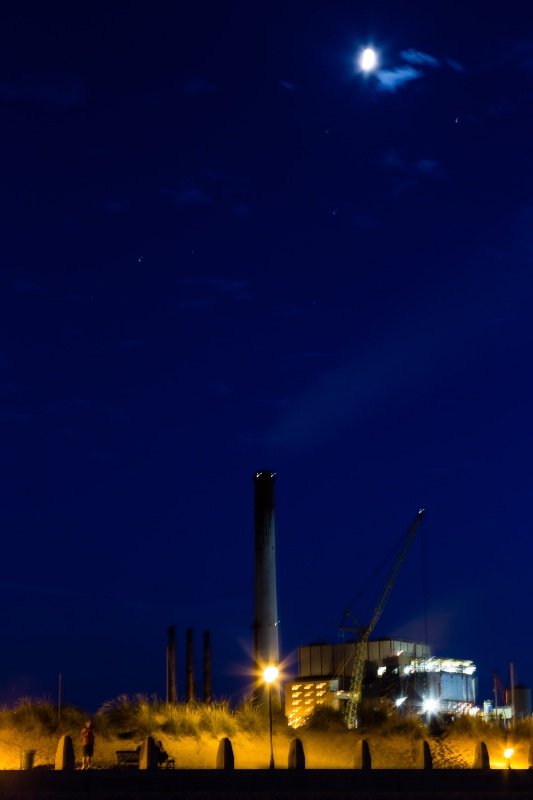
191	732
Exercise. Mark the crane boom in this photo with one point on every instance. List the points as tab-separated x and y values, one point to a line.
354	695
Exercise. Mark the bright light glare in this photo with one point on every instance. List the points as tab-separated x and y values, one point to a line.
509	752
368	60
270	674
430	705
400	700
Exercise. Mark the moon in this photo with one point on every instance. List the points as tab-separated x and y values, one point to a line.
368	60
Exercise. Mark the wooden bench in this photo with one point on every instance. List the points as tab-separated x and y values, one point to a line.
130	758
127	758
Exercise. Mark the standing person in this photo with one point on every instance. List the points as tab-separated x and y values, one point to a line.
87	743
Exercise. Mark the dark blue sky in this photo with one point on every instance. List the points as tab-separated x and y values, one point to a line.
225	249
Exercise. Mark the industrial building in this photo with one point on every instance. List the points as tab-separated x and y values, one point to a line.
402	670
334	674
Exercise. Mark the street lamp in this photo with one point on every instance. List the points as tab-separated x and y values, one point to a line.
270	674
508	752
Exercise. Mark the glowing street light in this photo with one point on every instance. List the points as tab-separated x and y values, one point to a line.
430	705
508	752
270	674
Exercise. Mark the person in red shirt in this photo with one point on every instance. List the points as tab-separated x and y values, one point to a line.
87	743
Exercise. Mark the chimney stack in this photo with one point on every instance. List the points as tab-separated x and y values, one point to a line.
189	668
172	693
207	667
266	640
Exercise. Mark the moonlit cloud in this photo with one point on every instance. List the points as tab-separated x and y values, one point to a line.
351	393
455	65
389	80
416	62
416	57
404	174
428	166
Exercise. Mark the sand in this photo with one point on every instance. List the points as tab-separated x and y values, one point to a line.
333	749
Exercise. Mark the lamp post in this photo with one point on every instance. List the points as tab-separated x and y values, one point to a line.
270	674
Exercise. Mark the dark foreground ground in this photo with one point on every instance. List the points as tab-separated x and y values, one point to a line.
267	785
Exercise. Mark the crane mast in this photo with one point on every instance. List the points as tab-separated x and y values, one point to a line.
356	682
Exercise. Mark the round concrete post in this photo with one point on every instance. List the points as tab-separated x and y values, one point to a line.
482	756
65	754
423	756
225	758
148	755
296	755
363	759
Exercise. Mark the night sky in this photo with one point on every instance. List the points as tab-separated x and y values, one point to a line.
225	249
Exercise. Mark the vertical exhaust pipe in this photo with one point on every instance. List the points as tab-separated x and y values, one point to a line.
207	667
266	639
189	668
172	692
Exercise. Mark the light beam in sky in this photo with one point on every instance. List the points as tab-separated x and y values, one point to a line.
368	60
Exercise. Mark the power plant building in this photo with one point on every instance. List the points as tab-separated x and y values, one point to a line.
402	670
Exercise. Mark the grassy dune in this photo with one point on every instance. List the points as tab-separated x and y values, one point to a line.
191	733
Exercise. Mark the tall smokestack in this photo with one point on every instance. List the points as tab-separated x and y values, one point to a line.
207	667
266	640
172	693
189	668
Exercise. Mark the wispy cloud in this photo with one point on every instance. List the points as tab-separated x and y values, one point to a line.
404	174
414	67
454	64
389	80
393	365
430	167
416	57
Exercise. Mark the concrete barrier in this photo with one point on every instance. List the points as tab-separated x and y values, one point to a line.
423	756
363	759
225	758
65	754
148	757
296	755
482	756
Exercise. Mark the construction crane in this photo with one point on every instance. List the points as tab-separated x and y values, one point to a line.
354	695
